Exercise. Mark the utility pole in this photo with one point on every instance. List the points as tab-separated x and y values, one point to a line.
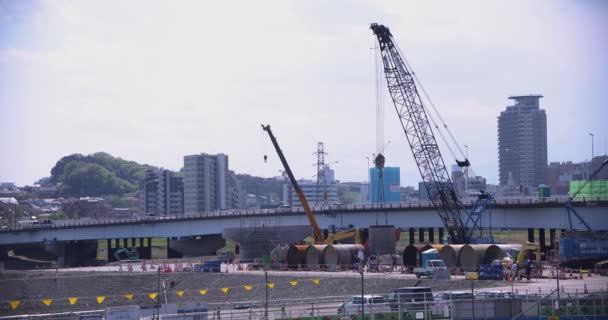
592	151
362	297
266	301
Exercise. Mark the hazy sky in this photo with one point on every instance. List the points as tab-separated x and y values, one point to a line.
152	81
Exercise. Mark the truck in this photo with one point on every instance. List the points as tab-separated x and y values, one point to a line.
493	271
432	266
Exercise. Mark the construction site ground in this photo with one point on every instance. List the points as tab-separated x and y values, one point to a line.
113	282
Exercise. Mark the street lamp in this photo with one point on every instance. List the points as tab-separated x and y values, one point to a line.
592	153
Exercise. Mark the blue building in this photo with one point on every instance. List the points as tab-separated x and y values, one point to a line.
391	186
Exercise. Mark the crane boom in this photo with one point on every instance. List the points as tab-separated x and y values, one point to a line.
419	134
317	234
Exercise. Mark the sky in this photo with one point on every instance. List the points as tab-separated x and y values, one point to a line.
152	81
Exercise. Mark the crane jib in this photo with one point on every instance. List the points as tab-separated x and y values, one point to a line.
420	137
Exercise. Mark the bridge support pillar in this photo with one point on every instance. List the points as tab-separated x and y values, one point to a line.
196	246
133	242
109	250
116	243
74	253
531	235
432	235
541	240
552	239
125	243
440	235
421	235
412	235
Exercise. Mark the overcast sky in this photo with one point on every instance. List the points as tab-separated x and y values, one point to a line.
152	81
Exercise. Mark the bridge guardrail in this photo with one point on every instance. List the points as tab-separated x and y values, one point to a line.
298	210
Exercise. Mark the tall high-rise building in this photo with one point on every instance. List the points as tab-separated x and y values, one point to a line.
162	192
205	185
522	143
385	189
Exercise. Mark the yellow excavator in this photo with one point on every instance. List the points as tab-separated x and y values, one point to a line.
521	257
317	233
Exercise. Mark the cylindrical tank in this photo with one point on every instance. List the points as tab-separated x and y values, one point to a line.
412	255
487	253
314	255
341	254
296	255
467	258
382	239
447	254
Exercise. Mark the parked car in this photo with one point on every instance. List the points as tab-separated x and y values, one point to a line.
496	295
452	296
409	296
369	304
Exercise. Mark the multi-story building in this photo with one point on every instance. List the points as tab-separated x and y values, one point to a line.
209	185
162	192
316	194
522	143
386	188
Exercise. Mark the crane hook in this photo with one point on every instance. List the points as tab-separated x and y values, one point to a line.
265	158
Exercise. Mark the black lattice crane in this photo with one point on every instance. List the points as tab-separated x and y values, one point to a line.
419	134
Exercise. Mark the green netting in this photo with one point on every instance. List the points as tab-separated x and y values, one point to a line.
593	189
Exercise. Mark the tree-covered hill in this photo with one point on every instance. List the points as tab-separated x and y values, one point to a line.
96	174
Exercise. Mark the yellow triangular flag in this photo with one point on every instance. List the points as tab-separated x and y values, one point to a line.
316	281
270	285
100	299
47	302
248	288
129	296
73	300
203	292
225	290
293	283
15	304
153	295
180	293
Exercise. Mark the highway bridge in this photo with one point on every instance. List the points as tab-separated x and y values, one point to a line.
291	224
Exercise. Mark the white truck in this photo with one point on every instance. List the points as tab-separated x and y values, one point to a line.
433	269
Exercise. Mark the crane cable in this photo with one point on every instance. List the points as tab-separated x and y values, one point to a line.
444	125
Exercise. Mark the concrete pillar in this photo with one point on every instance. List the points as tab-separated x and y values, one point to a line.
440	235
149	248
531	235
552	238
133	242
412	235
125	243
109	253
116	243
421	235
432	235
541	240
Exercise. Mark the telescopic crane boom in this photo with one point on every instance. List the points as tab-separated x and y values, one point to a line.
317	234
419	134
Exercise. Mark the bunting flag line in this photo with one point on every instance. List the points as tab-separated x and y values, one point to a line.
293	283
152	295
72	300
225	290
270	285
14	304
180	293
129	296
248	288
316	281
100	299
203	292
47	302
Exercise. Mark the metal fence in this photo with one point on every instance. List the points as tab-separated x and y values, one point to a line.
530	307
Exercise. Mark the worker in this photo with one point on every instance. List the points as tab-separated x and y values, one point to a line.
528	269
361	257
514	271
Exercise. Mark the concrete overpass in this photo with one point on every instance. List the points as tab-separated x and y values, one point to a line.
291	224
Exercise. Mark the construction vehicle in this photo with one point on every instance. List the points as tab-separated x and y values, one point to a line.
432	266
419	133
523	264
130	254
317	233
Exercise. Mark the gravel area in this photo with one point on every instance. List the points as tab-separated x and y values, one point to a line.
33	286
